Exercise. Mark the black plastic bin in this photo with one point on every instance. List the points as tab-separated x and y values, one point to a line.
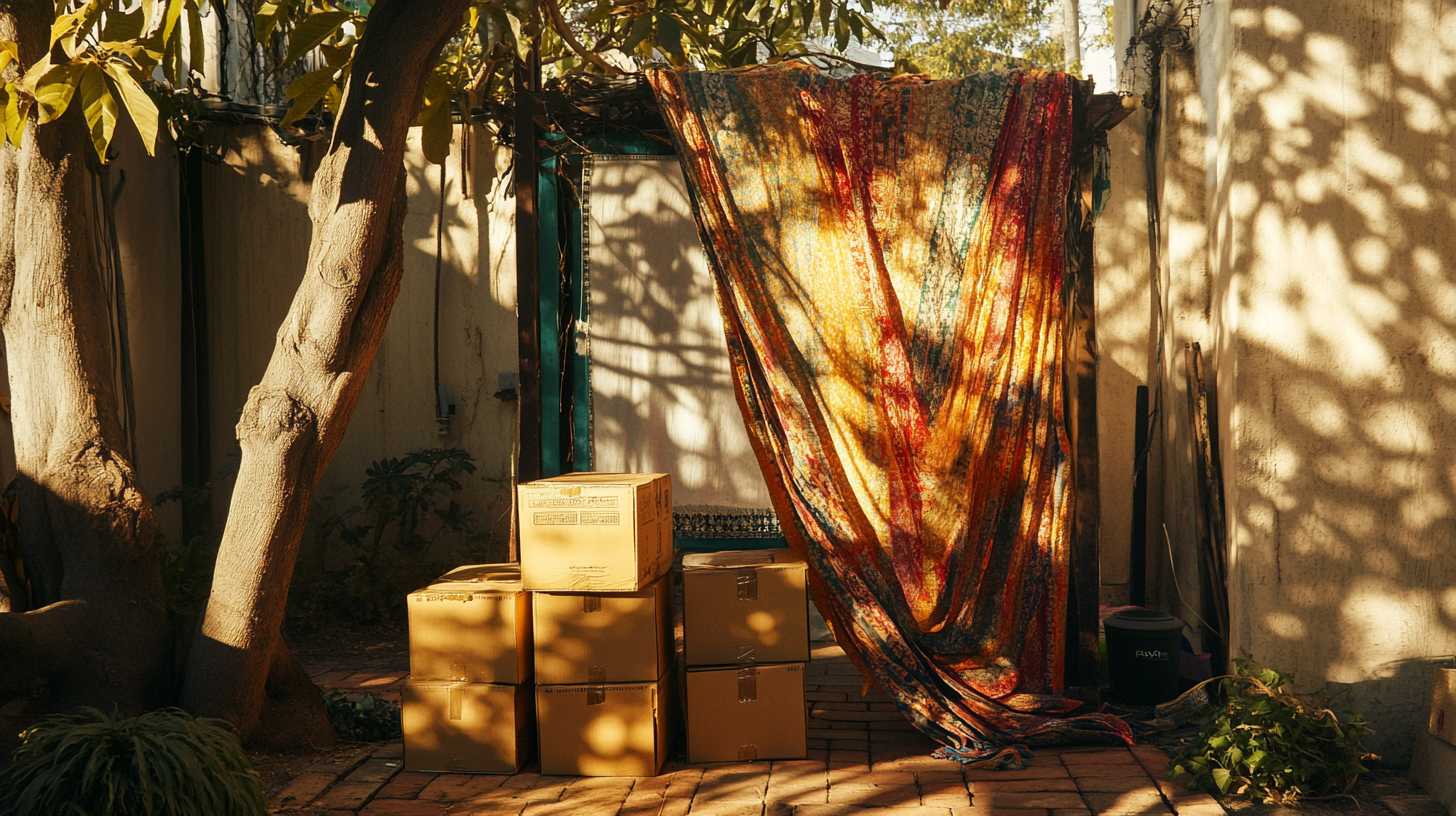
1142	656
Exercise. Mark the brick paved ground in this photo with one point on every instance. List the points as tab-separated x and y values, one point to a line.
864	759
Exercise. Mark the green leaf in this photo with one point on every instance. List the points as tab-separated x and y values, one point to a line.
523	46
9	52
669	36
641	28
197	59
1222	778
306	91
172	60
169	20
266	20
122	28
436	129
17	111
312	31
142	109
99	106
54	88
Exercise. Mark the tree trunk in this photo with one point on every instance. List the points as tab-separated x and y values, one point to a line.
1072	35
295	418
90	625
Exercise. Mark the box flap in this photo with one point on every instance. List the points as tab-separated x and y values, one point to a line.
595	479
493	579
738	559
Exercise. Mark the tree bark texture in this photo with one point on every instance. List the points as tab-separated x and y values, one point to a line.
295	418
90	624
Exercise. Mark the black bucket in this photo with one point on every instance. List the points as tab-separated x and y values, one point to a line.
1142	655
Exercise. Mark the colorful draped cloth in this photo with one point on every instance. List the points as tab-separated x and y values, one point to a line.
889	258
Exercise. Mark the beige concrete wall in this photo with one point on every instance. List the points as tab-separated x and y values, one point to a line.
1123	304
148	233
1336	236
254	264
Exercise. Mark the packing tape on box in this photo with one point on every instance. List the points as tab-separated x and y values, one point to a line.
747	753
591	603
747	684
596	695
748	584
746	656
455	702
597	675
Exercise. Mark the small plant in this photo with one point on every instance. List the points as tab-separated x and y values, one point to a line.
364	718
186	564
1265	742
161	763
409	503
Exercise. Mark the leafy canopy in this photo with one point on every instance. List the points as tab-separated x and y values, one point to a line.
147	55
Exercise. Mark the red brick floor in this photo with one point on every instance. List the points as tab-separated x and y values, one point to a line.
863	760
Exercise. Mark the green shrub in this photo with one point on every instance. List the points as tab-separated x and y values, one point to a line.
388	547
1265	742
364	718
164	763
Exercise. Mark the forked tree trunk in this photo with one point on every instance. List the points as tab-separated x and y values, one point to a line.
91	626
295	418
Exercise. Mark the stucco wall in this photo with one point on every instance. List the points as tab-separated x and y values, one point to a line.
1342	217
1123	303
257	236
148	238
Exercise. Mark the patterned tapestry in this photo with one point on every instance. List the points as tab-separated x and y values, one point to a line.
890	260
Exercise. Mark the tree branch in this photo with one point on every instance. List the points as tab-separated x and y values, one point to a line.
558	22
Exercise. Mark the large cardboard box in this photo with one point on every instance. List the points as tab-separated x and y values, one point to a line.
466	727
618	729
474	625
621	637
1443	705
745	606
596	532
756	712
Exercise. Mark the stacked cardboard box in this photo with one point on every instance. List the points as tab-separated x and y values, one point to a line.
596	550
746	640
468	702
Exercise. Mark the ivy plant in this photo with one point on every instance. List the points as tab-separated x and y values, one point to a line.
1265	742
364	718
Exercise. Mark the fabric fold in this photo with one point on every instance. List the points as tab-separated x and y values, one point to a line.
889	258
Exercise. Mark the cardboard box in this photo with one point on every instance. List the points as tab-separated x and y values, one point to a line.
596	532
745	605
737	715
466	727
603	730
473	625
1443	705
621	637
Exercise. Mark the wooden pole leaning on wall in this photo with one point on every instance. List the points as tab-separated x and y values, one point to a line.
1137	592
528	284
